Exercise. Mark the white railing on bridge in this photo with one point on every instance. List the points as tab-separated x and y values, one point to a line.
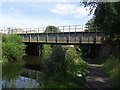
67	34
70	28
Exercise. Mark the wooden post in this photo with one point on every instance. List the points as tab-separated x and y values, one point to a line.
96	36
63	33
57	35
47	36
88	36
75	33
30	35
38	35
69	35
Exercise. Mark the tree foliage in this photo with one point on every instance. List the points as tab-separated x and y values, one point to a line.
107	16
12	52
57	59
75	64
108	19
64	68
47	50
13	48
51	29
90	25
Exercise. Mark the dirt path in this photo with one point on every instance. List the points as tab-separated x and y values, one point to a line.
96	79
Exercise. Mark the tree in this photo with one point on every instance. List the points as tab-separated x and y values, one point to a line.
57	58
51	29
65	69
12	52
13	48
90	25
107	16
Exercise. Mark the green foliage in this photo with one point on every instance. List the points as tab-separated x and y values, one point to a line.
65	69
51	29
75	64
47	50
91	26
11	70
60	81
14	38
4	37
107	17
112	68
57	59
13	48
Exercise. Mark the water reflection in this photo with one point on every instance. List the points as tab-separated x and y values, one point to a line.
20	82
12	73
12	70
32	62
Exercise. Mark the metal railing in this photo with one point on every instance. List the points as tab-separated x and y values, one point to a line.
63	34
62	29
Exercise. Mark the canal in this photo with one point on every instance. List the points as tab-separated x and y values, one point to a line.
25	74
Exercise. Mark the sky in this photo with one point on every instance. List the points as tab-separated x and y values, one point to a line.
34	14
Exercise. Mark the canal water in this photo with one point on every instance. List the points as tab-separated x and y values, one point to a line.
24	74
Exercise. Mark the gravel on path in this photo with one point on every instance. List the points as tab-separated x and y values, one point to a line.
96	78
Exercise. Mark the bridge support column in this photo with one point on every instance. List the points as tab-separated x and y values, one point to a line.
33	49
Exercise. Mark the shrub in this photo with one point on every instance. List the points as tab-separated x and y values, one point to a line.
13	48
57	59
47	50
112	68
75	64
63	69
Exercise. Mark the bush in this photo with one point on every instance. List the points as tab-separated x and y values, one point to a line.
47	50
112	68
13	48
75	64
57	58
55	62
64	69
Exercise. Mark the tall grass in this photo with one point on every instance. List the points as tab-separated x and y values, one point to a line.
112	68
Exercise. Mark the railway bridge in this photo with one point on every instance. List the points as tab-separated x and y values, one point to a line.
64	35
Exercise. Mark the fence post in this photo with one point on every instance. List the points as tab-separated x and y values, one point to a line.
69	35
75	32
63	33
38	35
30	35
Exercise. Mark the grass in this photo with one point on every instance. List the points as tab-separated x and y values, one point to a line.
67	81
112	67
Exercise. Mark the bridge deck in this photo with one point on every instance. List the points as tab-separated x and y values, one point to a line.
64	38
68	35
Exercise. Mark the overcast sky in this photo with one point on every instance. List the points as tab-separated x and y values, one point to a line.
40	14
